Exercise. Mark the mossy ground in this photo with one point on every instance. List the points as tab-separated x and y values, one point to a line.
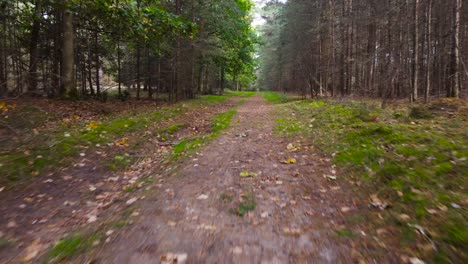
70	246
414	158
190	145
60	144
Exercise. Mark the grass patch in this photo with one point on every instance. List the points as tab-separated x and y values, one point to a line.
417	167
246	205
222	121
119	162
189	146
245	94
58	148
70	246
274	97
226	198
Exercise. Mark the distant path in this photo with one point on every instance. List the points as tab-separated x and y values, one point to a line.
191	215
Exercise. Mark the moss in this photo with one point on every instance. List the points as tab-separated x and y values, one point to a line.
222	121
246	205
227	198
60	146
456	233
274	97
425	163
244	94
70	246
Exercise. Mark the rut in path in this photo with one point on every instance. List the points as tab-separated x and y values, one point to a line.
193	214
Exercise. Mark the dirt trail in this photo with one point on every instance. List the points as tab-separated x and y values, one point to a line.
192	215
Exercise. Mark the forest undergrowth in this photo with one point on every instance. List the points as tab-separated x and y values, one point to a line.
408	165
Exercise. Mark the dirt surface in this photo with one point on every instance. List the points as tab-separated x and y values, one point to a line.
87	193
194	217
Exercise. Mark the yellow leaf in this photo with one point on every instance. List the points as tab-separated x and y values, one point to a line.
290	161
93	125
123	142
247	174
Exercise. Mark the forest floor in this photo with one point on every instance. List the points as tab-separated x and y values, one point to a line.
243	178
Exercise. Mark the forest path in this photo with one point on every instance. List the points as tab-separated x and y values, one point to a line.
196	216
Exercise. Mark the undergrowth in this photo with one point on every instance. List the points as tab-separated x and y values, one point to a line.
60	146
414	159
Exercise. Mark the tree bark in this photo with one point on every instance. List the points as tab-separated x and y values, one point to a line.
458	7
68	88
429	51
33	46
416	51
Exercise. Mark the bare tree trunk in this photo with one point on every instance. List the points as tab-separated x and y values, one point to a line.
97	62
33	48
68	88
3	61
458	7
138	55
429	51
416	51
333	48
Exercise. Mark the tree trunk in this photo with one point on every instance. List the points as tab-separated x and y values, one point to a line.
33	48
456	89
3	61
97	63
68	88
429	51
416	51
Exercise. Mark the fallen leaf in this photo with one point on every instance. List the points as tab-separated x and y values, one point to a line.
122	143
67	178
237	250
291	231
345	209
171	258
131	201
376	202
32	251
404	217
92	125
289	161
416	261
442	208
247	174
202	197
92	218
292	147
1	189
